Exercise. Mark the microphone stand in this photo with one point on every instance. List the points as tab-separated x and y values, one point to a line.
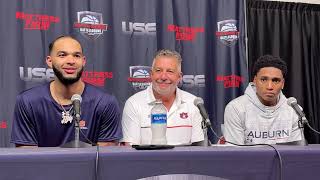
205	124
76	143
303	142
302	121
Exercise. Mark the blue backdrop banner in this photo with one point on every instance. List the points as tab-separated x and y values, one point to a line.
119	38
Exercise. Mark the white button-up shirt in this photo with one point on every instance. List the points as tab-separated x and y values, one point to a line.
183	119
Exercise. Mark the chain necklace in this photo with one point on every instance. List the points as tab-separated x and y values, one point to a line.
66	116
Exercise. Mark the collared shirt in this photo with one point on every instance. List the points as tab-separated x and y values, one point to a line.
183	119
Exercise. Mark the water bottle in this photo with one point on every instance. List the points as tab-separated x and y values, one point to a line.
158	124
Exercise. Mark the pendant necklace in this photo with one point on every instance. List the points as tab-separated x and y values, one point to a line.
66	116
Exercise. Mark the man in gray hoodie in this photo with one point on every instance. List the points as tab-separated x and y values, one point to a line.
262	114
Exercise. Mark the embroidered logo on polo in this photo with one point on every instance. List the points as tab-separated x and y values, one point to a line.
184	115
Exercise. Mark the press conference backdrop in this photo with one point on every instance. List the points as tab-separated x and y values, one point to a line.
119	39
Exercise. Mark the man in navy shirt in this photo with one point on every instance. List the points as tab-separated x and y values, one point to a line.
43	114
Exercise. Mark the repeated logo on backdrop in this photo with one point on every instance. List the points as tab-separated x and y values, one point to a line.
37	74
185	33
230	81
191	81
37	21
136	28
139	77
227	32
96	78
40	74
90	24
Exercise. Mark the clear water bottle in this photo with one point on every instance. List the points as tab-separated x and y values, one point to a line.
159	124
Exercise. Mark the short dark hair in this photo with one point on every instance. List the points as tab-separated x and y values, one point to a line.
60	37
270	61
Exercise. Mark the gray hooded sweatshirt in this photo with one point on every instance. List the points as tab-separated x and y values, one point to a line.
248	121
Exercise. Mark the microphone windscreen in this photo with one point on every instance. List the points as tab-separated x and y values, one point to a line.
291	101
198	101
76	97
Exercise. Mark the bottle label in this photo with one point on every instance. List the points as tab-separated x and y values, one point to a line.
159	118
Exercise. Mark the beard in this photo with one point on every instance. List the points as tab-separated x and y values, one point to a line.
67	80
164	92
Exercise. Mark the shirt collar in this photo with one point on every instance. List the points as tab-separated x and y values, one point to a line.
151	99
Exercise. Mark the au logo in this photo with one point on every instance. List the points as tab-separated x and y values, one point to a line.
227	32
3	124
183	115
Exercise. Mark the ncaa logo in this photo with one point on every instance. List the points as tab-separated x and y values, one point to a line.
90	24
140	77
227	32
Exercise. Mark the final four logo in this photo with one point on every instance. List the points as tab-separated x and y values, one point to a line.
227	32
90	24
140	77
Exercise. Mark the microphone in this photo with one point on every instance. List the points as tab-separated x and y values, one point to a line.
293	103
76	143
302	119
76	102
200	104
205	124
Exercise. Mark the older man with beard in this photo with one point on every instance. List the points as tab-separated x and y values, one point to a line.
183	117
43	114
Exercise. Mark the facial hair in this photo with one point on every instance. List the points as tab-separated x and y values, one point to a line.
64	80
164	92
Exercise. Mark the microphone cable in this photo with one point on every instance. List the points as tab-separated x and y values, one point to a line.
275	149
309	126
97	154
